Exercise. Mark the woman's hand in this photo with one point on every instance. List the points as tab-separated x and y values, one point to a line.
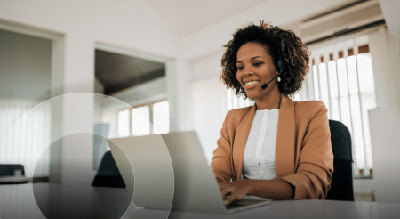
271	189
236	190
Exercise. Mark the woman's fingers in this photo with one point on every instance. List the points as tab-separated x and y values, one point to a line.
232	197
232	191
224	188
224	192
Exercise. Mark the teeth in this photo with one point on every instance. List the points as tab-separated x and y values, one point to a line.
251	82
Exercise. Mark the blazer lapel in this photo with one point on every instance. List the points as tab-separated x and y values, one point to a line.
285	147
242	132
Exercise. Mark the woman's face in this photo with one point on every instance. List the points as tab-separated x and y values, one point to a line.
254	68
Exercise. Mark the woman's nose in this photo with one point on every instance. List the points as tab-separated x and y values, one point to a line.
247	73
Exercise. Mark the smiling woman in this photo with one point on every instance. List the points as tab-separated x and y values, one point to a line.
278	148
254	67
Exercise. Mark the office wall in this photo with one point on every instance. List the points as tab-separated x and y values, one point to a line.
208	66
385	146
385	120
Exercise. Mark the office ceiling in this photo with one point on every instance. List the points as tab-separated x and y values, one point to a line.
188	16
117	72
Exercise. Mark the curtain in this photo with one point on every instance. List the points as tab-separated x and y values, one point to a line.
25	134
209	109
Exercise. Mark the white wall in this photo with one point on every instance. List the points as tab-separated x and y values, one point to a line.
182	79
390	9
385	52
385	121
386	150
208	66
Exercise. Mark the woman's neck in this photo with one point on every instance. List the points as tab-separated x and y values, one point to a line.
272	101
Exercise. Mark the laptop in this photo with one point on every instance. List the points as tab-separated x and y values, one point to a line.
172	169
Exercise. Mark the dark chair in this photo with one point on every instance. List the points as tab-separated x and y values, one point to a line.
11	169
12	174
108	174
342	178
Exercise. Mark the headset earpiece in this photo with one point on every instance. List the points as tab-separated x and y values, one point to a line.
280	66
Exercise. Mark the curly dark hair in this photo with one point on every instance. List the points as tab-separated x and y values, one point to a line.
283	44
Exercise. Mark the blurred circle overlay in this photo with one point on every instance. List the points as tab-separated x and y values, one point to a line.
72	164
69	192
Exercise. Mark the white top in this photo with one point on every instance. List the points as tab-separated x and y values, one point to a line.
259	160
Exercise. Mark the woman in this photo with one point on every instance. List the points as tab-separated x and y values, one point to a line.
278	148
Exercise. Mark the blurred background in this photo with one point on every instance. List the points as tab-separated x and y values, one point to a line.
162	59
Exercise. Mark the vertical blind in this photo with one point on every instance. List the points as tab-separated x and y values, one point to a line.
341	76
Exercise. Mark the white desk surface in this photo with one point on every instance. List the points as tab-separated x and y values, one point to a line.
17	201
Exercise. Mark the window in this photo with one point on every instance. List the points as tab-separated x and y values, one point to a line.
161	117
123	123
141	120
145	119
341	76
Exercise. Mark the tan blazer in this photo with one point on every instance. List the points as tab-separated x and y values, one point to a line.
303	147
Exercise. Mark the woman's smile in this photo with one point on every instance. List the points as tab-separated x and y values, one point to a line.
251	84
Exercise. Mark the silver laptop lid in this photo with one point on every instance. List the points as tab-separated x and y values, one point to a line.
196	189
146	167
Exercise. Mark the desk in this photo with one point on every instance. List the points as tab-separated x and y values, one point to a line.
18	201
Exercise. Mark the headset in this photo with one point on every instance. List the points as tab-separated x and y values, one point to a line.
280	67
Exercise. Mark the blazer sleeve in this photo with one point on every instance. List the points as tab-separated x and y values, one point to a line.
221	161
313	176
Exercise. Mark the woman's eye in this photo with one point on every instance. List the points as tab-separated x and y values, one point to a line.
239	67
257	63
